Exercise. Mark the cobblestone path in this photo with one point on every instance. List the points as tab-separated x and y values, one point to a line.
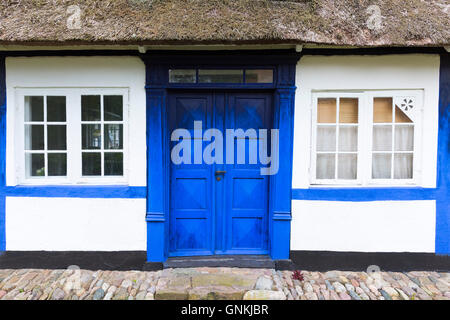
221	283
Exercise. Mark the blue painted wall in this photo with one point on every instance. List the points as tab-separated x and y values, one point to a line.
443	180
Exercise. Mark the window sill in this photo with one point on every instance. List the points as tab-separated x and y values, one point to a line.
369	186
56	183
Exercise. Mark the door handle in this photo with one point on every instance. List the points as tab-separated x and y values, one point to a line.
219	172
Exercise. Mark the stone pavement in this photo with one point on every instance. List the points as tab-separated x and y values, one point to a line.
221	283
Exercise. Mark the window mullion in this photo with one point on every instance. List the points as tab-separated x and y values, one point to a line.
45	138
361	152
74	136
102	136
336	156
393	140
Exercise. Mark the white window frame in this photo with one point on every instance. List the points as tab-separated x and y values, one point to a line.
337	96
365	135
73	122
417	152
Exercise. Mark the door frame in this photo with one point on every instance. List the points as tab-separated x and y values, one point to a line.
157	65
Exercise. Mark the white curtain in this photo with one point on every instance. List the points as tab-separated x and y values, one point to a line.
348	138
403	166
404	138
326	138
381	165
382	138
326	142
325	166
347	166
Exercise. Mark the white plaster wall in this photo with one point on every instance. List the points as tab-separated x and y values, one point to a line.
73	224
82	72
390	72
380	226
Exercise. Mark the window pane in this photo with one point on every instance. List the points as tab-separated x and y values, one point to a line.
90	108
56	137
182	75
34	137
113	163
34	165
403	166
401	117
347	166
220	76
56	109
382	138
91	135
348	110
325	166
404	138
326	138
348	138
92	164
382	110
326	110
113	108
381	166
57	164
259	76
34	108
113	136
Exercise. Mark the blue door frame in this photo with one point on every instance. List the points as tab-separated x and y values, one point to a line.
158	176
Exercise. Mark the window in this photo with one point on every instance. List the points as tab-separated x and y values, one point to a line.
72	135
366	138
45	136
220	76
182	76
337	138
237	76
392	142
102	135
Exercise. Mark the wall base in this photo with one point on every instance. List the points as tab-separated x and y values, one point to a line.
300	260
360	261
92	260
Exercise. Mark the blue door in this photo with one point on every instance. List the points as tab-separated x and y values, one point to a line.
219	208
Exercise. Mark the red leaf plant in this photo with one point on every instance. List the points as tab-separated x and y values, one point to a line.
297	275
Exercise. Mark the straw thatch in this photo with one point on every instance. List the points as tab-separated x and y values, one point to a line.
335	22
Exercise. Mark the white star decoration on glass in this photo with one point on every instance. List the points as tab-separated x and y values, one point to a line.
407	105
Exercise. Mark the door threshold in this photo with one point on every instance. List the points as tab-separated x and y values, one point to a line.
230	261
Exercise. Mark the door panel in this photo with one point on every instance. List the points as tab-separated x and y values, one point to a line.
247	190
229	215
191	184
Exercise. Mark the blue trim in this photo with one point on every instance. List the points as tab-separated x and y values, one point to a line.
2	151
364	194
280	184
156	178
157	86
104	192
443	181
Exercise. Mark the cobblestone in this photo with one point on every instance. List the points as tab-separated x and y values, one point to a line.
221	283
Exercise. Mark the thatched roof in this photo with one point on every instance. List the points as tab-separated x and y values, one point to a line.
334	22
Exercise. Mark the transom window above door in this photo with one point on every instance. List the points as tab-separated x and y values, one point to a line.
72	136
365	138
221	76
